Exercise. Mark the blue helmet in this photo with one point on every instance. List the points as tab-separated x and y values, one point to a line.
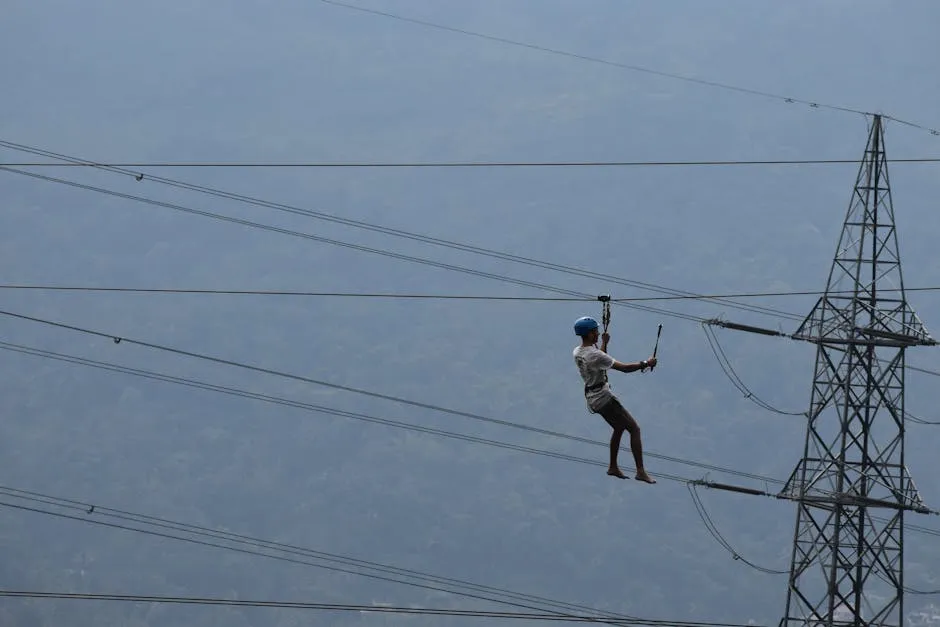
583	326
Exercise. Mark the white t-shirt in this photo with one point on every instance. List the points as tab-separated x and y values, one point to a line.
593	363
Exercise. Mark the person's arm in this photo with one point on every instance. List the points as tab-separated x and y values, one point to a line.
622	367
634	366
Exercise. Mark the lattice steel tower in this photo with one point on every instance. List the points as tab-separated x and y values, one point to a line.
852	487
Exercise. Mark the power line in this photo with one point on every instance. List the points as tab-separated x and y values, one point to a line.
626	66
331	558
505	256
89	509
390	295
358	247
584	298
363	417
406	296
924	370
725	363
921	421
358	224
728	369
93	509
395	233
195	383
147	200
328	410
337	607
323	561
713	530
85	507
399	295
458	164
394	295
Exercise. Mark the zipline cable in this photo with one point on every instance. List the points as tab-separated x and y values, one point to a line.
404	296
400	295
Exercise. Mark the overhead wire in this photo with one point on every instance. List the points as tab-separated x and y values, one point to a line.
400	295
723	360
340	607
350	245
359	416
923	370
582	297
394	254
310	407
424	261
728	369
920	421
429	430
393	232
627	66
194	383
469	297
88	509
711	338
572	293
226	217
288	553
905	589
713	530
910	590
322	409
458	164
725	364
390	295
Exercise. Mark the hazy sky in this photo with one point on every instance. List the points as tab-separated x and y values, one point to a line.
313	81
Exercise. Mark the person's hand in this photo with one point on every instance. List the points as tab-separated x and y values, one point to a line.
605	337
651	362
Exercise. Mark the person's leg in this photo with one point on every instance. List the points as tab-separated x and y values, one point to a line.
615	418
621	420
636	445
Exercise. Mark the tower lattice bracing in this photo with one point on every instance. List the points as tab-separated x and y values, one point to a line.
852	486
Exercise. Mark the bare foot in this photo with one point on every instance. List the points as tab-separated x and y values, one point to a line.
615	472
641	475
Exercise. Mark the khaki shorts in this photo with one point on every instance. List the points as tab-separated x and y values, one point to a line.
615	414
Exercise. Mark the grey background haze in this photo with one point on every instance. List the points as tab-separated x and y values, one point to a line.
305	81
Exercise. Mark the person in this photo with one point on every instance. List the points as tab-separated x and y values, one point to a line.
593	364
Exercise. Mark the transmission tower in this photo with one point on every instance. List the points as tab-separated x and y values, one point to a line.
852	487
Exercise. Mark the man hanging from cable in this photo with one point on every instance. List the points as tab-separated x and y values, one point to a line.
593	364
